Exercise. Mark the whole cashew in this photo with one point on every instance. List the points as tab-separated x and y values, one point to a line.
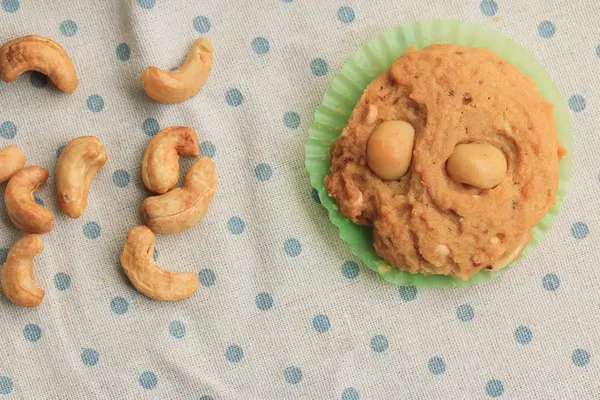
12	159
146	277
160	166
36	53
77	165
22	209
17	273
181	208
183	83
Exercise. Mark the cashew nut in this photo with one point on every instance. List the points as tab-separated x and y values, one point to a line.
160	166
77	165
389	150
183	83
12	159
480	165
22	209
148	279
17	273
36	53
181	208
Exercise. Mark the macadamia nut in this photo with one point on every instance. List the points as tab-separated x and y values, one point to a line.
480	165
389	150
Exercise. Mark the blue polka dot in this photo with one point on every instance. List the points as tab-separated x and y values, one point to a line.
489	8
148	380
177	329
62	281
234	97
291	119
319	67
95	103
315	196
3	255
90	357
321	323
121	178
38	200
379	343
147	4
523	335
10	6
408	293
260	45
207	277
292	247
263	172
550	282
350	393
206	397
208	149
346	14
264	301
436	365
234	353
598	50
60	150
293	375
8	130
68	28
32	332
123	52
350	269
236	225
577	103
494	388
91	230
546	29
150	126
465	313
155	254
119	305
202	24
6	385
37	80
580	357
287	1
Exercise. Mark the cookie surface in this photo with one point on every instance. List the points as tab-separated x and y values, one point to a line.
426	222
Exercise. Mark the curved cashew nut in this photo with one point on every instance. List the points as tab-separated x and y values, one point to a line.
148	279
77	165
17	273
22	209
181	208
183	83
36	53
160	166
12	159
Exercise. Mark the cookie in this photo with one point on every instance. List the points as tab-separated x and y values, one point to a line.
427	221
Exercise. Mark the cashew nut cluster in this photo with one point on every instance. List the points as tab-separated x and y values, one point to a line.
183	83
37	53
477	164
390	148
22	209
160	166
16	276
12	159
146	277
77	165
181	208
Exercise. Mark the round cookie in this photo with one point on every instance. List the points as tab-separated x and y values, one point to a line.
425	222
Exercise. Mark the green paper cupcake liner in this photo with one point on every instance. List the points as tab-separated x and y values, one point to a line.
346	89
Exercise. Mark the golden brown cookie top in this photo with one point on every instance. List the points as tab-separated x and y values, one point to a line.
427	221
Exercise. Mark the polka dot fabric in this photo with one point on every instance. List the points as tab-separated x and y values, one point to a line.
284	309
